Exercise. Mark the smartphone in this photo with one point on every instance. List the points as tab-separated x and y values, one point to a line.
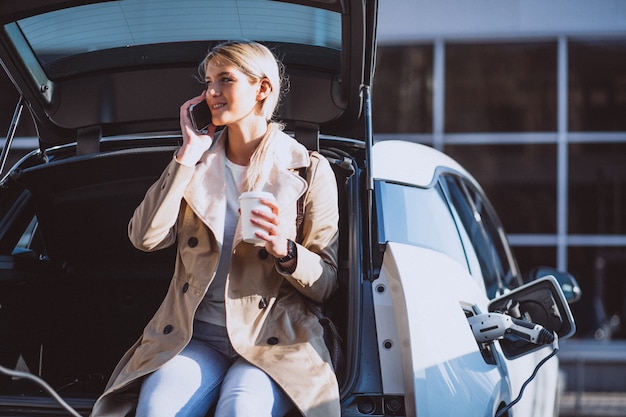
200	116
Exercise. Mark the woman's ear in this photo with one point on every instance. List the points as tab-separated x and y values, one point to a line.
265	88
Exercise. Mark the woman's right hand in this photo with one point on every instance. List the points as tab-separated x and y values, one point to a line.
194	143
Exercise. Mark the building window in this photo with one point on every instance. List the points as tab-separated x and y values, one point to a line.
597	86
530	257
501	87
403	91
520	181
601	311
597	188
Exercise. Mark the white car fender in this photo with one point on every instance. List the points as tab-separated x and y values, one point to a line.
427	350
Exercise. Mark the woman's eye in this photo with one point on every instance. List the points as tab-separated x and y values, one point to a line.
223	80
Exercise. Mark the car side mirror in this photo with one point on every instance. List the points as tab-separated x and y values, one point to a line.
567	282
540	302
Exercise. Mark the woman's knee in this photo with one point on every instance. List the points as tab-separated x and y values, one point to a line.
248	391
186	385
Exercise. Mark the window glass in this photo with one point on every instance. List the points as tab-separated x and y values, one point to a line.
501	87
403	92
419	217
100	26
597	188
530	257
597	85
600	274
520	181
484	232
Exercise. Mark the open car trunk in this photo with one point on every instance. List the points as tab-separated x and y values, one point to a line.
104	94
75	294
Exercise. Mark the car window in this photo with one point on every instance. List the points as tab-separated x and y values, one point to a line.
417	216
485	234
57	35
470	253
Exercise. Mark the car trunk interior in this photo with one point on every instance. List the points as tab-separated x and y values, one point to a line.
79	294
75	301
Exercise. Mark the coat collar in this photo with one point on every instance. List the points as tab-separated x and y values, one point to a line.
206	192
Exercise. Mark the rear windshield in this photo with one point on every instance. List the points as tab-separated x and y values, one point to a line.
118	24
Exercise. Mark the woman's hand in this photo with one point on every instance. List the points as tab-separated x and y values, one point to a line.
194	143
275	243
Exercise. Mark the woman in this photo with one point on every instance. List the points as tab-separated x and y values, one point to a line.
233	331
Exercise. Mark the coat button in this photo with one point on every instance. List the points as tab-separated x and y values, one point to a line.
272	341
192	242
185	287
263	303
168	329
263	254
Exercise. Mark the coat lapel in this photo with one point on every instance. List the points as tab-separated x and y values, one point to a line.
206	192
284	181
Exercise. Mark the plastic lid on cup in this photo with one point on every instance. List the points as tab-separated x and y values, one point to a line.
257	194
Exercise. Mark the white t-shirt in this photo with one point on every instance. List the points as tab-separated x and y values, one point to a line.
211	308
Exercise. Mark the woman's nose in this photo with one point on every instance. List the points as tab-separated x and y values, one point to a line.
214	91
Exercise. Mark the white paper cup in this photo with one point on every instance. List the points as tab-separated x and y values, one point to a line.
248	201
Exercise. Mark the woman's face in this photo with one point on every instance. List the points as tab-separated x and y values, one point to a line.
230	94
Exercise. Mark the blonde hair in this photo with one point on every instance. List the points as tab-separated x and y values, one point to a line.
258	63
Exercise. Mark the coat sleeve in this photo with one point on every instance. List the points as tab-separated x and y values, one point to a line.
153	225
315	274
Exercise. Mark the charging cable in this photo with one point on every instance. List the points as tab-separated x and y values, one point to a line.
42	383
555	346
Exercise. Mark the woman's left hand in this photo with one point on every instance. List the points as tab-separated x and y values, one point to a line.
275	243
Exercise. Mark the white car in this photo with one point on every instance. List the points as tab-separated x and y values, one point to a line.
434	316
443	269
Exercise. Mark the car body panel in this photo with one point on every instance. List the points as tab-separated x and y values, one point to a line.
420	298
442	368
411	163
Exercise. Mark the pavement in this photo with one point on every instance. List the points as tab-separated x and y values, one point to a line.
595	375
593	404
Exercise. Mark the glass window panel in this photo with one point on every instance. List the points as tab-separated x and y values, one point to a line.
600	273
530	257
519	180
95	27
597	86
597	191
403	91
501	87
485	234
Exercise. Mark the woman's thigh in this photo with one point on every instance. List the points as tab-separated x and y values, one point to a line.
187	385
248	391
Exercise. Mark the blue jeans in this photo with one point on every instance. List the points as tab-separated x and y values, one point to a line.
208	372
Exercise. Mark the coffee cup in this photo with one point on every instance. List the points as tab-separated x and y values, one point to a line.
248	201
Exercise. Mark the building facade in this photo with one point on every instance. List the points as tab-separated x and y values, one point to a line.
530	96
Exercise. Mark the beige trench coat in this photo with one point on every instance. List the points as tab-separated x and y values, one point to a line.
267	320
